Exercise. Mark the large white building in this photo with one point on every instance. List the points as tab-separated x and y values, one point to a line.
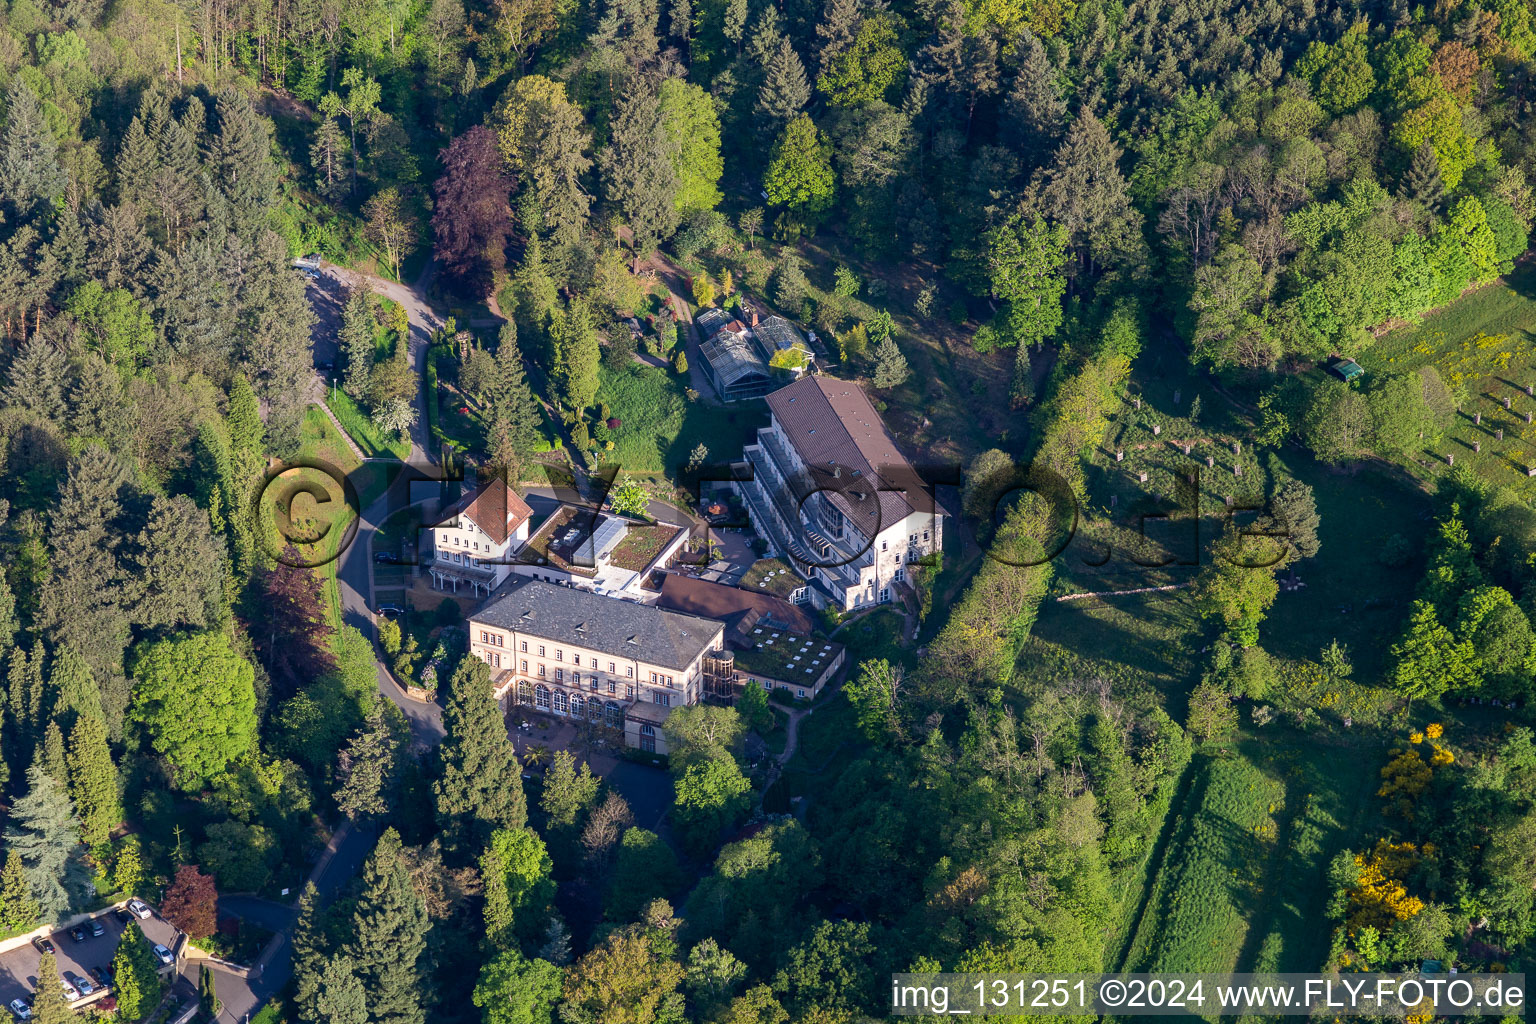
575	654
831	492
472	547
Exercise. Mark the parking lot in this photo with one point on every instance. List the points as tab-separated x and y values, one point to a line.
18	967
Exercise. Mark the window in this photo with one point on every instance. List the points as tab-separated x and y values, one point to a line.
800	694
629	693
525	646
541	698
576	678
912	539
484	637
884	545
541	671
648	744
559	674
576	705
562	702
901	574
541	650
498	660
613	687
559	654
647	729
653	677
898	558
610	667
594	684
630	671
664	699
576	658
925	535
885	593
522	666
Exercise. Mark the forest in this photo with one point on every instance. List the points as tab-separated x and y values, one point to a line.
1081	237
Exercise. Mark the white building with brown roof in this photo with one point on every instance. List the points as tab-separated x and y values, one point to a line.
472	547
833	493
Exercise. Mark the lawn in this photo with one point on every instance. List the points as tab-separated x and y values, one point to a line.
1485	345
1242	883
659	428
772	575
876	635
374	442
641	545
325	522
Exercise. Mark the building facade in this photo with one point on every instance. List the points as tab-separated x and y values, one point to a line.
831	492
575	654
472	547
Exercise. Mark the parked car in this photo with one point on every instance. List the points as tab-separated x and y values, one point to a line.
83	985
386	558
99	976
139	909
77	934
97	928
20	1010
70	992
44	944
122	915
392	611
164	955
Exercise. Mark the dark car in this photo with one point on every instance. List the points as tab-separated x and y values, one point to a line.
122	915
386	558
44	944
77	934
97	928
99	975
392	611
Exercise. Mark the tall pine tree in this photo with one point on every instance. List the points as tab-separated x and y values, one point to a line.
389	930
93	783
481	786
43	832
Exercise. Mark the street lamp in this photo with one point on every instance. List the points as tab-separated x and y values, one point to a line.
333	389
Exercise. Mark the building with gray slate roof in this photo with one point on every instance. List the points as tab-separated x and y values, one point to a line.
831	492
575	654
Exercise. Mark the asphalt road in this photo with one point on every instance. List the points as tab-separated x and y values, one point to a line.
18	967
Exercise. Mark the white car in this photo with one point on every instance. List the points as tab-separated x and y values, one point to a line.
20	1010
140	909
164	955
70	992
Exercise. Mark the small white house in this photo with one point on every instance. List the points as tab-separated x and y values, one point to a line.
473	547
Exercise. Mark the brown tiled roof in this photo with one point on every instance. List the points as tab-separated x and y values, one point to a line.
832	423
728	604
494	507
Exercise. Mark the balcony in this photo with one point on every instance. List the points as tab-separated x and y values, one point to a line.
468	571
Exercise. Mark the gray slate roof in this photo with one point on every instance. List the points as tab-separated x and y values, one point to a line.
583	619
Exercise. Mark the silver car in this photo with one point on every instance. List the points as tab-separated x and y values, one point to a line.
20	1010
164	955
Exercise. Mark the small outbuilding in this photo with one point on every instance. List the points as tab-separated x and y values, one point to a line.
1346	370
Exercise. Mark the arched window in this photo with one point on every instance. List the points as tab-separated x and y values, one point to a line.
576	705
560	702
541	697
615	715
594	709
524	692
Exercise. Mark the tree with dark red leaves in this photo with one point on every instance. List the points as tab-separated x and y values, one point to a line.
290	633
192	902
472	219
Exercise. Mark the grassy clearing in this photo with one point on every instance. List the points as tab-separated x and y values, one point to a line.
659	427
1241	882
307	517
876	635
1484	344
375	443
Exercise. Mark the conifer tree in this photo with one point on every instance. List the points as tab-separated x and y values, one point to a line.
1034	111
576	356
49	1005
138	158
389	930
1021	389
567	790
367	770
52	753
43	832
357	348
1422	183
135	975
247	435
891	368
515	421
24	700
93	780
35	379
240	155
784	92
18	910
310	954
341	999
207	994
30	175
638	174
481	788
179	565
496	902
328	159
